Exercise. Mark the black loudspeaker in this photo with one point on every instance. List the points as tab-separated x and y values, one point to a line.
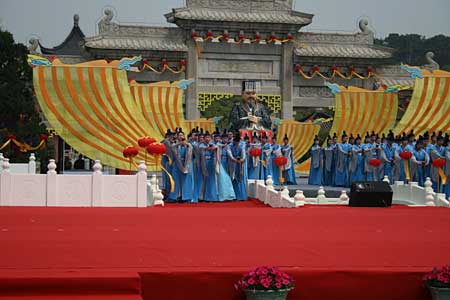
370	194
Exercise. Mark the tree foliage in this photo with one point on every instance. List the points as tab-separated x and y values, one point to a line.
411	48
18	109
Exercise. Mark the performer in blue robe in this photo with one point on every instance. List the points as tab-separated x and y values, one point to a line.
198	169
253	163
289	169
356	166
427	147
419	161
328	163
316	169
210	161
183	173
437	151
266	164
167	162
399	171
342	155
447	171
389	157
276	151
237	168
224	150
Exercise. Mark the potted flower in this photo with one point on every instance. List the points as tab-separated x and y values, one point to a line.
438	282
266	283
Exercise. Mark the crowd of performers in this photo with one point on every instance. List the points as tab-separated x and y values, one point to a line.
216	167
340	164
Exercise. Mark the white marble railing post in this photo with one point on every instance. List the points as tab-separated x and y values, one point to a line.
51	184
321	195
32	164
344	197
142	185
5	182
1	161
97	184
299	198
386	179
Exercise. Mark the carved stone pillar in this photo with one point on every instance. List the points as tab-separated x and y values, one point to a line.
286	81
192	112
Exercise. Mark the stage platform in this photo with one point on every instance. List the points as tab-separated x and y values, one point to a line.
310	191
200	251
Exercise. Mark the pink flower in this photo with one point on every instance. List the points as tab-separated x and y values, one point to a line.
285	281
266	284
278	285
264	271
251	281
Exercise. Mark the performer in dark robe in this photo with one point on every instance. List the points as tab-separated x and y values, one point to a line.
250	114
316	169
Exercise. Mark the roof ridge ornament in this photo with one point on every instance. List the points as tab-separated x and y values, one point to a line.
431	65
364	26
105	25
76	20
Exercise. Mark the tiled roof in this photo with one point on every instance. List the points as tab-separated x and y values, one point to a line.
239	16
343	51
136	43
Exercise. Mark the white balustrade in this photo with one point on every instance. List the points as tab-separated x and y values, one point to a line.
81	190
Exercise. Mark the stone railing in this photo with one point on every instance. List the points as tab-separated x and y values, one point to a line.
87	190
20	168
407	194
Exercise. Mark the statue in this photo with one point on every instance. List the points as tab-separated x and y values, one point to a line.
105	25
431	65
250	115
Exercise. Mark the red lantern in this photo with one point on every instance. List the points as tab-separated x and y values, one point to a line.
130	152
375	162
335	69
257	36
145	141
241	36
226	35
290	37
352	70
369	70
183	63
255	152
406	155
439	163
315	69
194	34
298	68
273	37
280	161
164	62
209	34
44	137
156	149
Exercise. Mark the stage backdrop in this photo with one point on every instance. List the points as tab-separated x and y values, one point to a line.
91	107
429	108
358	111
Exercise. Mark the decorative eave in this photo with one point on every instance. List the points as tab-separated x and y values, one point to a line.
71	45
135	43
292	18
344	51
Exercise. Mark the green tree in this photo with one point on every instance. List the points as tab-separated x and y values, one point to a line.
18	109
411	48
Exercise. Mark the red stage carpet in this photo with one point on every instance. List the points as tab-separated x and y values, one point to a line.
200	251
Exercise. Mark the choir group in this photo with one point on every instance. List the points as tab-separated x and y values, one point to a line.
216	167
372	157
